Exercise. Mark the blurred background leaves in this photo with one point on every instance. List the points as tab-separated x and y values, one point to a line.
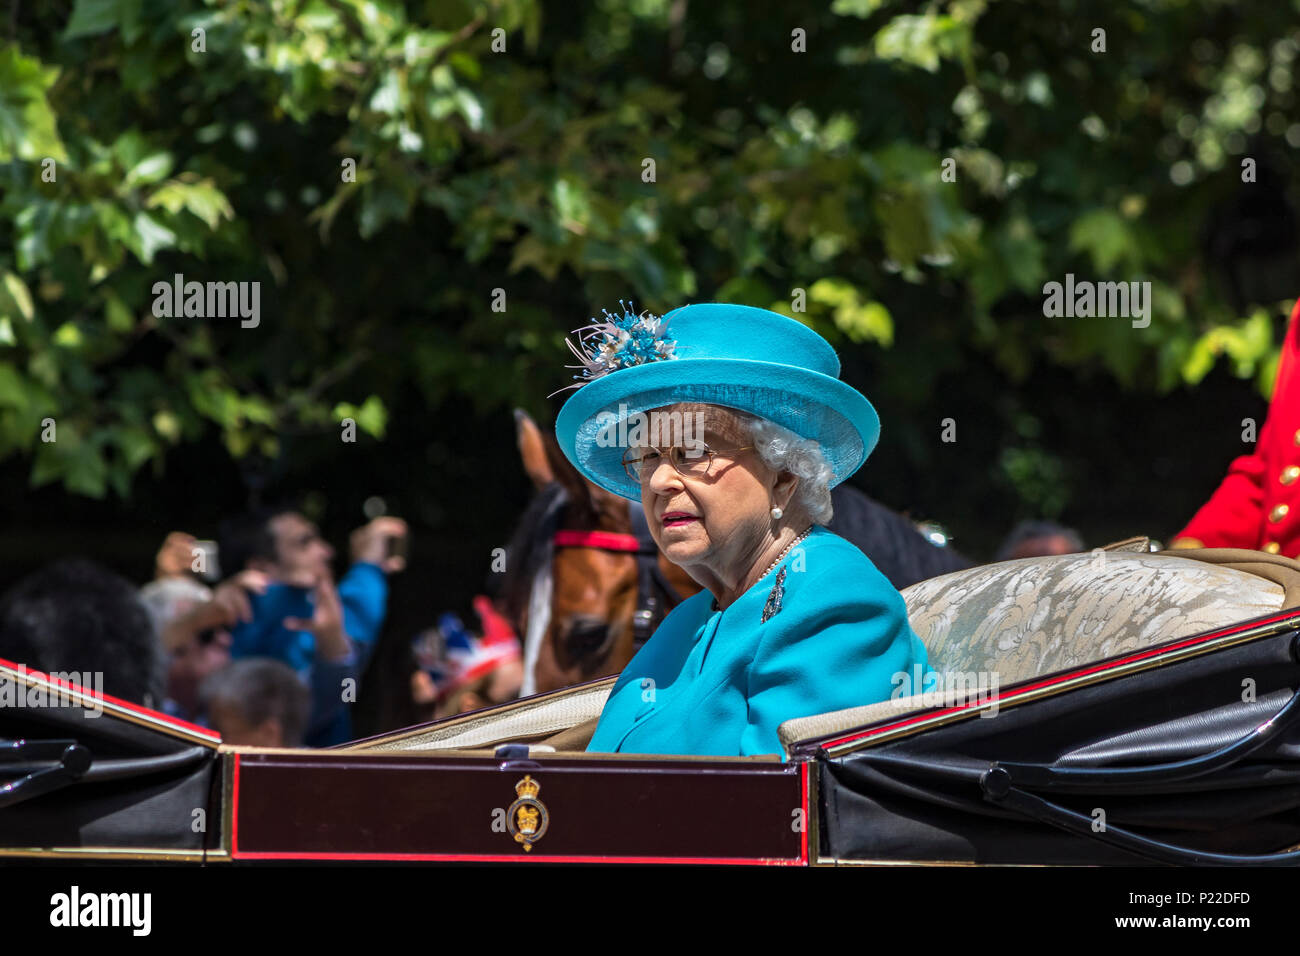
211	139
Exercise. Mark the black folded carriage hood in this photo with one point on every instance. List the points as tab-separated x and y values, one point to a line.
94	776
1184	754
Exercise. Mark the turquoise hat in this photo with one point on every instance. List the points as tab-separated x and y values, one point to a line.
737	356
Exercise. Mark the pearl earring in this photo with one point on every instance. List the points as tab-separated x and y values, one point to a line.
776	514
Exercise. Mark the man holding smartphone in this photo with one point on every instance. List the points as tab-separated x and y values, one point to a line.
323	631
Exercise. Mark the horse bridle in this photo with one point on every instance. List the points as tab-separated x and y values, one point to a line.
650	580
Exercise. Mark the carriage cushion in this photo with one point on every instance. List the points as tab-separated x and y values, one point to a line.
524	720
1035	616
1039	615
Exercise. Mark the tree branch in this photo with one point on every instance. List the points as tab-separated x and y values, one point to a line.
464	33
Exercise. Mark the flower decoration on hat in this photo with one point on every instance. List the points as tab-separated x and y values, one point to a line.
621	341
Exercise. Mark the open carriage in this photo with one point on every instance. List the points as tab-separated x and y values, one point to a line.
1118	707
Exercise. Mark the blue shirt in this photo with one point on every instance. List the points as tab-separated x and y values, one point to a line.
363	593
721	682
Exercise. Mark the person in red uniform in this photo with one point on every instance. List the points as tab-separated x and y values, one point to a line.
1258	504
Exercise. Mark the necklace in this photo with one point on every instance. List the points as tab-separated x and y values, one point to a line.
784	552
779	558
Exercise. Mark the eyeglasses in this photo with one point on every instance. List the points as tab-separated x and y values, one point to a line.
640	463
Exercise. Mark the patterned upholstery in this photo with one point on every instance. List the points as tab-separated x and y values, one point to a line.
1039	615
1020	619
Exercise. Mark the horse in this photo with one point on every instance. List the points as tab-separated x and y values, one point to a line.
585	584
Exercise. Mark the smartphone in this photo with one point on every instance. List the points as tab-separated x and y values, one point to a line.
397	544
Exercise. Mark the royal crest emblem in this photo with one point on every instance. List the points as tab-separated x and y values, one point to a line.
527	818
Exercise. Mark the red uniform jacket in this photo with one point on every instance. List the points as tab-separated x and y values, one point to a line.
1258	504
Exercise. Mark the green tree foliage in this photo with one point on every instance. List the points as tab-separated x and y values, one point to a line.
505	146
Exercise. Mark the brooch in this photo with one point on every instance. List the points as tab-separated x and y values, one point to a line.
774	596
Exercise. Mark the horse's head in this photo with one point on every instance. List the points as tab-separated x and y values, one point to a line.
574	603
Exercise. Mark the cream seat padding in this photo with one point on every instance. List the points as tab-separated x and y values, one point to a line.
521	720
1020	619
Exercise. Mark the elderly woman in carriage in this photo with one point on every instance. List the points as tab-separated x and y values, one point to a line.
793	619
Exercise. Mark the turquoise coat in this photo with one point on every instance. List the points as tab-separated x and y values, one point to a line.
721	682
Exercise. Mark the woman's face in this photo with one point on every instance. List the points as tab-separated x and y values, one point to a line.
720	521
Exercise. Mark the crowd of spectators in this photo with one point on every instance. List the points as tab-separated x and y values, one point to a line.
250	634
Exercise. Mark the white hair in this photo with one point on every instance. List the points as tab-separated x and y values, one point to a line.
783	450
168	598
